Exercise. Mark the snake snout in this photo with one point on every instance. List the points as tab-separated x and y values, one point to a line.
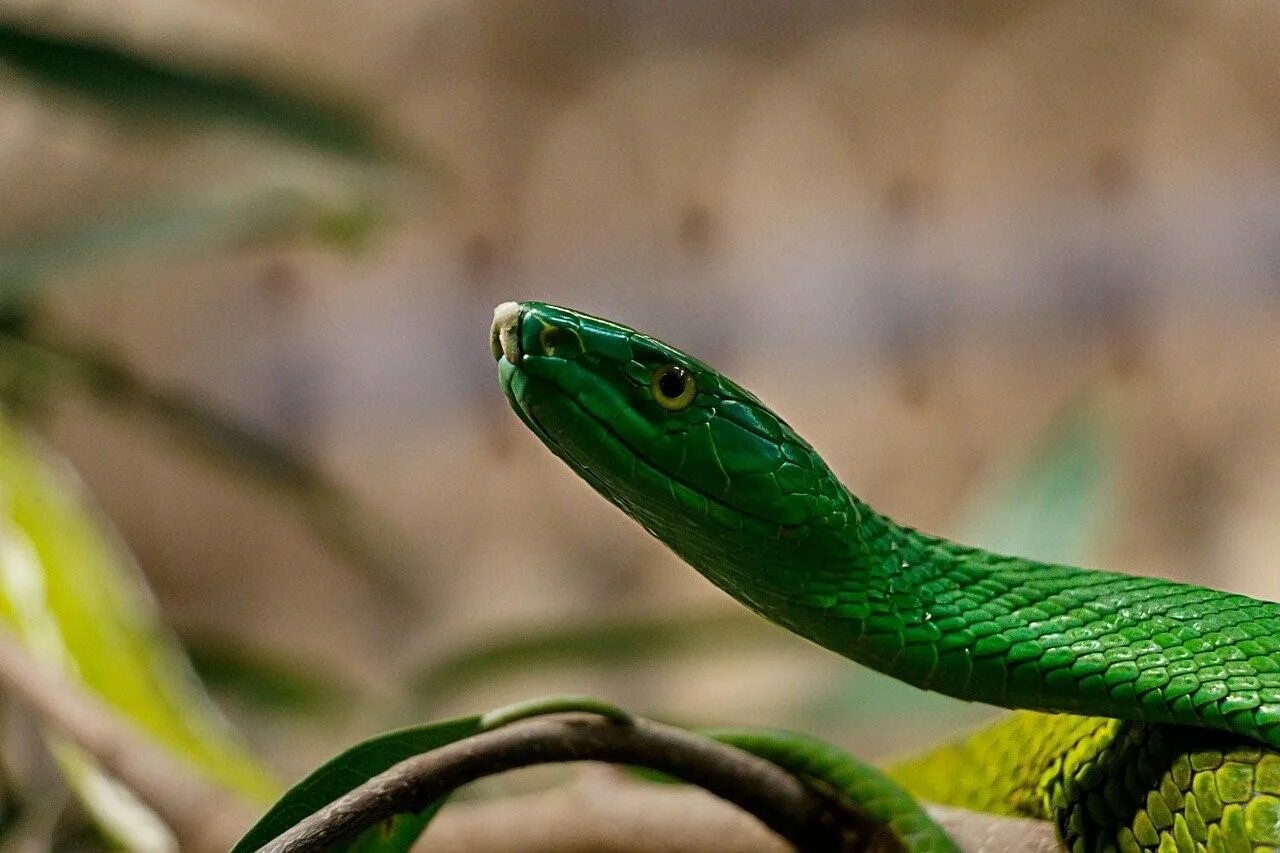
504	334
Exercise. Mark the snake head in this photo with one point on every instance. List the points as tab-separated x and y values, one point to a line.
682	449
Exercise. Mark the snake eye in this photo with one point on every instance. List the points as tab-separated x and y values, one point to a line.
673	387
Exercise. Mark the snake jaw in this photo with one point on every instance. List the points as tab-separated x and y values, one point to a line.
504	334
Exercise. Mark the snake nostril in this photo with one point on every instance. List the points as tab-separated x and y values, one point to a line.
504	334
552	338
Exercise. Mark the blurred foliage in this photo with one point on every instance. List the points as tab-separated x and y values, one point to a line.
613	643
343	220
16	808
142	88
32	367
76	600
267	682
1051	506
67	587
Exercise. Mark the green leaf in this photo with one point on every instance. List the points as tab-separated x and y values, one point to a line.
76	600
262	680
144	88
1051	504
353	768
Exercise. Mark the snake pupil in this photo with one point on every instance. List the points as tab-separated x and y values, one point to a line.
672	382
672	387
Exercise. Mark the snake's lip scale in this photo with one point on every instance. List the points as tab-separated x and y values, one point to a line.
504	334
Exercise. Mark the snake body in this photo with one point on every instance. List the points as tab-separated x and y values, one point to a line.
1154	706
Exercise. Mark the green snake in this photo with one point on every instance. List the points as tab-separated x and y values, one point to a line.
1149	710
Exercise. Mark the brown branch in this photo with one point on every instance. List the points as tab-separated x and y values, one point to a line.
807	818
203	816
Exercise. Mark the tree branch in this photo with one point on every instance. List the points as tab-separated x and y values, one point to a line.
810	819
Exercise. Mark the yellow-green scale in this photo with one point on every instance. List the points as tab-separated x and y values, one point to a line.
1110	784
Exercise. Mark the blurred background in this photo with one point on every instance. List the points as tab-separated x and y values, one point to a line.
1014	269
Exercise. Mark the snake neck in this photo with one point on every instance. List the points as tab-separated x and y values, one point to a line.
925	610
896	599
850	579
